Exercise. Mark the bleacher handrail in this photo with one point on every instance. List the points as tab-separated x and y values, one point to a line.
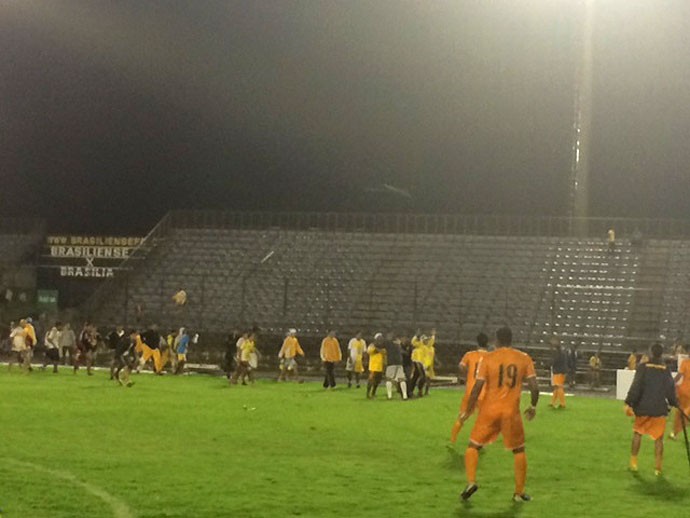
398	223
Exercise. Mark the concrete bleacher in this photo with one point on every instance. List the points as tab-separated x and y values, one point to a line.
316	279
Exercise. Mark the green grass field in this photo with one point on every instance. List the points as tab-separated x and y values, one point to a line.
78	446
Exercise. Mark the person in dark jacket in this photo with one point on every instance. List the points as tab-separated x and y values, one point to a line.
649	397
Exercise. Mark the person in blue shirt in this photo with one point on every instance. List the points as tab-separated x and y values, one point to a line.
182	342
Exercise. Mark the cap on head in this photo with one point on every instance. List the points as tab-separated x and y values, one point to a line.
377	336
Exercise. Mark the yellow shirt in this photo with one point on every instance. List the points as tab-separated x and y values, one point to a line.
290	348
30	333
429	355
632	362
375	359
330	350
248	348
594	362
419	351
356	349
138	344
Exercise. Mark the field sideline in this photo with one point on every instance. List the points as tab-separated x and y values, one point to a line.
78	446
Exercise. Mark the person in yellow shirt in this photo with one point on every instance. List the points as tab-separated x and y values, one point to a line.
355	354
595	370
288	354
30	333
431	355
243	368
419	378
376	361
632	361
330	355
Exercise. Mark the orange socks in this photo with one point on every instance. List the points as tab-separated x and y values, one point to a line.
561	395
520	472
457	426
558	396
471	461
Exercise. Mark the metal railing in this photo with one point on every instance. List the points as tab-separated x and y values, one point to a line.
485	225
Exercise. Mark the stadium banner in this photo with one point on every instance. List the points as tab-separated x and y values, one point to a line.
88	257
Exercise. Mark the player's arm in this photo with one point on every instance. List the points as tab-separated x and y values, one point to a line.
671	396
463	372
474	395
635	391
534	397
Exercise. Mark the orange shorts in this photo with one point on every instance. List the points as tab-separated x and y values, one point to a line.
490	423
652	426
558	380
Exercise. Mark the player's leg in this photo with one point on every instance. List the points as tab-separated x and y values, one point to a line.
457	425
561	394
374	380
658	455
471	463
635	450
402	383
520	465
89	362
389	382
157	361
513	433
370	383
56	359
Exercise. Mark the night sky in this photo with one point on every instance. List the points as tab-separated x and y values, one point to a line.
113	113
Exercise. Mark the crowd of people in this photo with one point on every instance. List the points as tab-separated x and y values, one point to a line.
405	363
130	351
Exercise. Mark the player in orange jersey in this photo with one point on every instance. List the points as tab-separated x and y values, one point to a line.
501	373
469	367
682	381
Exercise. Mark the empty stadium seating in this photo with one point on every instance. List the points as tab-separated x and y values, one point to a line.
318	279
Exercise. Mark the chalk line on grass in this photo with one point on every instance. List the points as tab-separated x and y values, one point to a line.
120	508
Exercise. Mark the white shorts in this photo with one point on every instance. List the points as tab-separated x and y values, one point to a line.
395	373
290	364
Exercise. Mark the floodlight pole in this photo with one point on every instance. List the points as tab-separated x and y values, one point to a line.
582	125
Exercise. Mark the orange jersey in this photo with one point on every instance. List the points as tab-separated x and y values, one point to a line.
683	388
503	372
471	362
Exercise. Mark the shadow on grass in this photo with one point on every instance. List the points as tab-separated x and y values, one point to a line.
658	487
454	460
512	510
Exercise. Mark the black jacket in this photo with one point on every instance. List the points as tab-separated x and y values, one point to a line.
652	391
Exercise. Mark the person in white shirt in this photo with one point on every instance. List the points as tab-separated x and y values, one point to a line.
19	346
52	344
355	353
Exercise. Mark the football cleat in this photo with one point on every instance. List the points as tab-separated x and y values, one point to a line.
469	491
523	497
